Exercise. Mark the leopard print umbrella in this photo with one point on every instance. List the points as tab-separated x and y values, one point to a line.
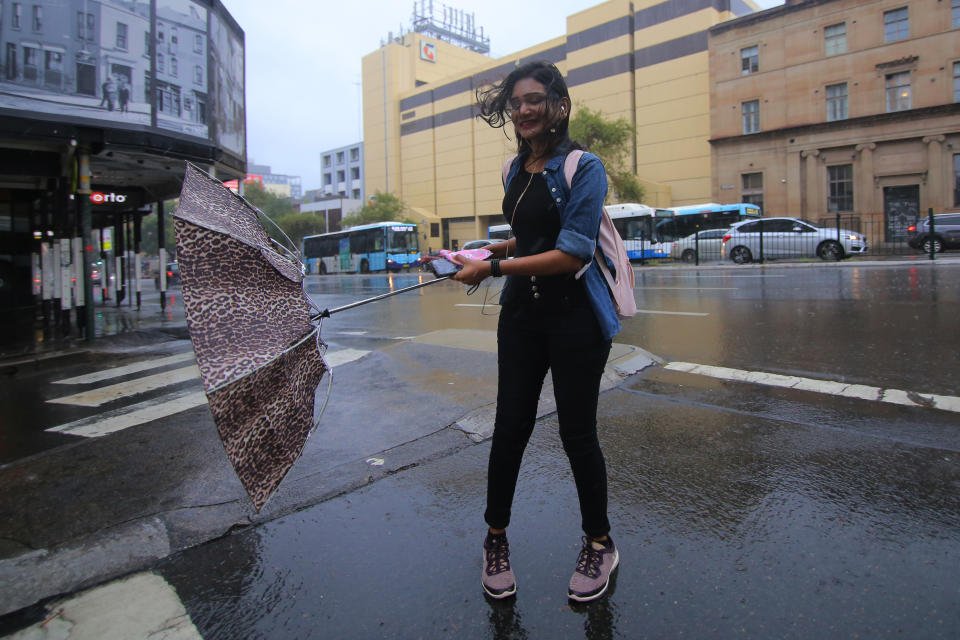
250	323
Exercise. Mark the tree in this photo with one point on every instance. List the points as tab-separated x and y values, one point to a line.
271	204
610	140
384	207
297	225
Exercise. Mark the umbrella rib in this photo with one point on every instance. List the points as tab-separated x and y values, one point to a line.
316	330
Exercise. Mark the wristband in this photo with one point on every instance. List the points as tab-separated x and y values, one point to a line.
495	268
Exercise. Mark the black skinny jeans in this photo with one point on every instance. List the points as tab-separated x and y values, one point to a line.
570	344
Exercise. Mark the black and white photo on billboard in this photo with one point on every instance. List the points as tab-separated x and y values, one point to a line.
180	67
227	65
77	58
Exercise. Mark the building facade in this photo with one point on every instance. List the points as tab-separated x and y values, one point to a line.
342	172
279	184
644	61
848	107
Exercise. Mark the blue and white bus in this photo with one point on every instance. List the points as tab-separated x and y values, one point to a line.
381	246
637	224
680	222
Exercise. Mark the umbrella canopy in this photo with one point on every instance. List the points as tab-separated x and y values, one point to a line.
257	345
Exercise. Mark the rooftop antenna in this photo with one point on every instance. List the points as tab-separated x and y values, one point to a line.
455	26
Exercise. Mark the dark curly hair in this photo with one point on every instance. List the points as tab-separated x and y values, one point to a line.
494	103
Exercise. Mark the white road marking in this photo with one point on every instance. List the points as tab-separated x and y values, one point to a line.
136	367
720	275
352	333
688	288
343	356
865	392
97	397
101	425
143	605
672	313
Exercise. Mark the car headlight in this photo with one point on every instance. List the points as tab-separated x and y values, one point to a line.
853	236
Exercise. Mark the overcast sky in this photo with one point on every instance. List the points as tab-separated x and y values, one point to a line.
303	65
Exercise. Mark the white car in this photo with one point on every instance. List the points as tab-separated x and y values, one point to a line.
789	238
709	246
476	244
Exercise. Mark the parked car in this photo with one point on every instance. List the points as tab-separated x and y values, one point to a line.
789	238
476	244
946	233
173	275
709	246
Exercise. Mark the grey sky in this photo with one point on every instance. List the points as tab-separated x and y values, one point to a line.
303	65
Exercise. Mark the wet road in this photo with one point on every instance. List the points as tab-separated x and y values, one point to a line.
739	509
730	523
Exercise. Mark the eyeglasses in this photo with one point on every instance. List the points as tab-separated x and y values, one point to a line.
533	100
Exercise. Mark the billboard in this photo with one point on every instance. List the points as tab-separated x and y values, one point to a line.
168	65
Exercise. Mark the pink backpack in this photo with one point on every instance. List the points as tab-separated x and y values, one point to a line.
609	243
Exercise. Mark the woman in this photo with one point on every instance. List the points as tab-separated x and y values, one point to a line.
548	319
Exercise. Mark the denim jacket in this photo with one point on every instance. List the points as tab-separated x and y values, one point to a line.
580	211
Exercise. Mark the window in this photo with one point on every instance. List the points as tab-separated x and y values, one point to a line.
30	61
956	179
198	75
160	63
749	60
173	66
339	157
752	191
955	13
121	36
37	17
835	39
836	102
434	229
17	14
956	80
896	25
341	176
11	61
751	116
898	91
840	181
355	152
356	194
198	43
354	173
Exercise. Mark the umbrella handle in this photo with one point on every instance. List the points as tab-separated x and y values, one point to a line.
326	313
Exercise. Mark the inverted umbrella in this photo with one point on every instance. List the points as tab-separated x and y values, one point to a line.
255	332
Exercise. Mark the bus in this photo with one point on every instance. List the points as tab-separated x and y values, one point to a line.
680	222
639	226
381	246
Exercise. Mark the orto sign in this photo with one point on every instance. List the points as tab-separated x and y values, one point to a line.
98	197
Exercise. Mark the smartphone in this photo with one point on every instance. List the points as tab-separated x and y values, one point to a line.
442	267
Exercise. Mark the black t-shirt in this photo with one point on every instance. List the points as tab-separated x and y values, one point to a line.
536	224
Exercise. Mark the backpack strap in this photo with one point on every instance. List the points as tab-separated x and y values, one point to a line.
570	164
506	170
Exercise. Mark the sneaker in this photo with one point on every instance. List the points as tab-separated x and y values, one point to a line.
497	579
596	562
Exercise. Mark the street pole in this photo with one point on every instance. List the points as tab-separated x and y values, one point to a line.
84	191
162	251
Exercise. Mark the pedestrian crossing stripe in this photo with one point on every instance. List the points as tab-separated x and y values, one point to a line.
155	408
136	367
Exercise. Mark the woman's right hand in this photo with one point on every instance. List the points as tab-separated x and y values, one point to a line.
473	272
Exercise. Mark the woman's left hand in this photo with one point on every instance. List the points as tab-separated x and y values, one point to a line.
473	272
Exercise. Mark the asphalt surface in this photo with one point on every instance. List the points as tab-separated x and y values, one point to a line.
83	512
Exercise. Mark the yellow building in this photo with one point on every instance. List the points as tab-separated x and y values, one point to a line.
847	107
644	61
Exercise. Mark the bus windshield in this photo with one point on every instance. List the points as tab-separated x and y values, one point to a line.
402	240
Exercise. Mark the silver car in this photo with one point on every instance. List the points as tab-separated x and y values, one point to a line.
709	245
789	238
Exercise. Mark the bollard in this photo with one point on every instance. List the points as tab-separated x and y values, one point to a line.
933	245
